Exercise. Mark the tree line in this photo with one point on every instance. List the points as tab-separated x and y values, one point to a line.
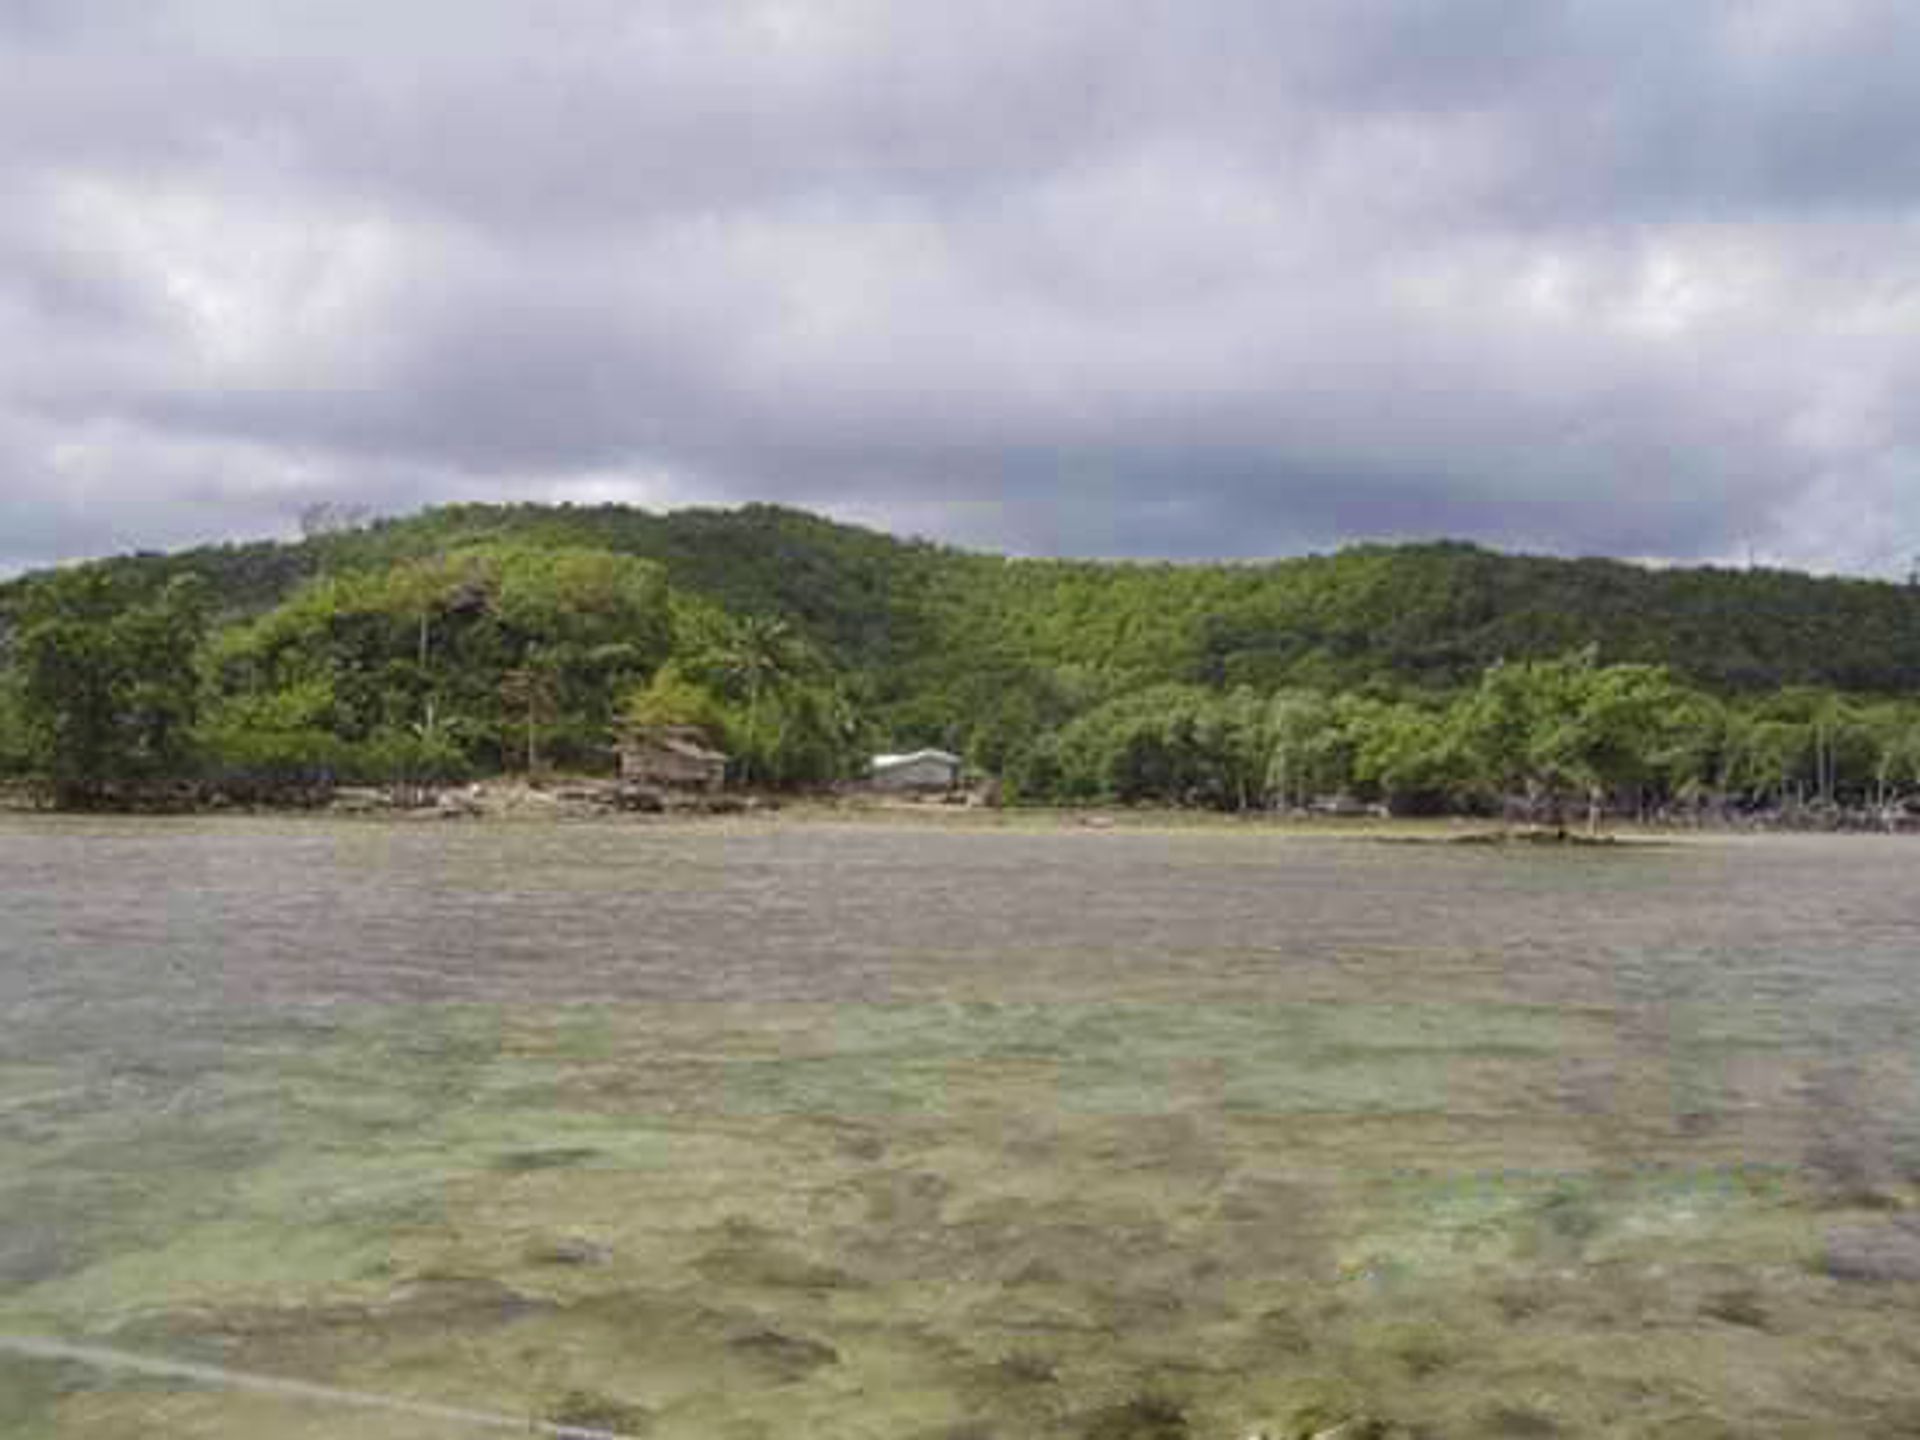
1564	738
479	639
488	659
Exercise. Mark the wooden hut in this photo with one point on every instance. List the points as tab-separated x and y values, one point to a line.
672	757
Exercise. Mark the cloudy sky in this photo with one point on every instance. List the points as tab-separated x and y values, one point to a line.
1122	277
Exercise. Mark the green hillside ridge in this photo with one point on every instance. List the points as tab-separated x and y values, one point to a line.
472	638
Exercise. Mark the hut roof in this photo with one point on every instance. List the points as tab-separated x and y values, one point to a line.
686	741
691	749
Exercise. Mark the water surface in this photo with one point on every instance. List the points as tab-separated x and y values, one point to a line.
845	1130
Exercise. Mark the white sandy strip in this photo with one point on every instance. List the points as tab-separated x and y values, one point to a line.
103	1358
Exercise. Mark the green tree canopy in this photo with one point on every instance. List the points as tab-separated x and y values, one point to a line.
104	690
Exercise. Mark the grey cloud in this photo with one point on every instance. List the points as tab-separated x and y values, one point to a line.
1156	279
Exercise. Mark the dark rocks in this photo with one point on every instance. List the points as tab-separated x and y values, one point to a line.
564	1157
572	1250
789	1356
1145	1417
588	1413
1737	1307
1026	1368
1881	1252
1520	1421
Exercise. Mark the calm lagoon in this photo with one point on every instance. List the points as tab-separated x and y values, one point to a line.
831	1129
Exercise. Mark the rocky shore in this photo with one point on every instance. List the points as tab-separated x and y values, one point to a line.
582	798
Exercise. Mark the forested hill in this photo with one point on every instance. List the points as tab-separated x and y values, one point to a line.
474	638
906	613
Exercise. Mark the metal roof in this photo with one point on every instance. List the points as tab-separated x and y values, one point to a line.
892	762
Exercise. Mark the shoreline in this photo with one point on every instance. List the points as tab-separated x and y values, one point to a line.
574	801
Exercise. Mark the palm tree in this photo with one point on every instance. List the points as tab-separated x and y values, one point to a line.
530	687
759	651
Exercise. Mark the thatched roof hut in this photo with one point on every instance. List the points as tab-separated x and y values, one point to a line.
676	757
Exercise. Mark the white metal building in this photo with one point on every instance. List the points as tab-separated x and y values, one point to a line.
916	770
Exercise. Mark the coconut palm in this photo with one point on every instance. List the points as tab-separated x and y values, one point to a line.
759	653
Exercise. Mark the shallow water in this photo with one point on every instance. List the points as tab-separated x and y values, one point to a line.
841	1130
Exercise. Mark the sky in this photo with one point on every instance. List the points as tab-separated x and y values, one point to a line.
1182	278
